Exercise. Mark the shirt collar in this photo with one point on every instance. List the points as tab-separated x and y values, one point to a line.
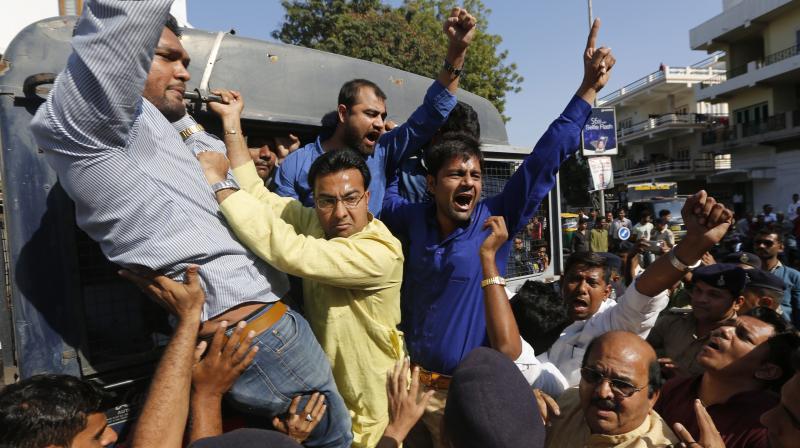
779	265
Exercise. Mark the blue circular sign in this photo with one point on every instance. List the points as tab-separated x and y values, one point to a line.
624	233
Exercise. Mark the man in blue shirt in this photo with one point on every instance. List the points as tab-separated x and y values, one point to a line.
442	301
360	123
768	244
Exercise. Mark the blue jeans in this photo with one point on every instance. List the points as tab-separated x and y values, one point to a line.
290	362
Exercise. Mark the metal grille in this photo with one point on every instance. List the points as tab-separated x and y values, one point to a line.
530	249
121	325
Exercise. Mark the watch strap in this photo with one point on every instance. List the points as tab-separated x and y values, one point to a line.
497	280
678	264
448	67
224	185
195	128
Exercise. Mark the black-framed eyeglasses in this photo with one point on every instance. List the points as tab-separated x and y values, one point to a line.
765	243
619	388
329	203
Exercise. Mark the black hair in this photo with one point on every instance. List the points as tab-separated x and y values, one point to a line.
770	230
348	94
796	360
450	146
786	340
589	260
663	213
172	25
583	220
336	161
655	379
599	219
47	410
462	118
540	313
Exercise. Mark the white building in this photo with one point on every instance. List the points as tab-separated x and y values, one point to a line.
762	89
17	14
659	126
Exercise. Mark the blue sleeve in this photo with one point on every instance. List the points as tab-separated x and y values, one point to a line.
527	187
393	213
285	176
403	141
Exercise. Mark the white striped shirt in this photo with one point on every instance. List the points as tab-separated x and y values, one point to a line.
138	189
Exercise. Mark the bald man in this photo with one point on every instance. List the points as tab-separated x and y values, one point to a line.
613	404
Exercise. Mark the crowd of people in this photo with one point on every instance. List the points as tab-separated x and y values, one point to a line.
407	333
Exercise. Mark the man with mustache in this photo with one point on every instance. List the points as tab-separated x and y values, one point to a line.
116	131
768	244
586	288
361	115
613	403
441	300
716	297
745	362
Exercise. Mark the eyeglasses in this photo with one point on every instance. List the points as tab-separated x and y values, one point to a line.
329	203
620	389
765	243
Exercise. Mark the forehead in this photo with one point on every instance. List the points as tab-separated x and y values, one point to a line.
618	360
462	162
169	41
705	287
759	330
339	182
581	270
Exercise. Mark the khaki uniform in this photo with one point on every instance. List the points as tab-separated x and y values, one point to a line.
674	337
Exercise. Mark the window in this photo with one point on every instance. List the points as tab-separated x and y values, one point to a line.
757	113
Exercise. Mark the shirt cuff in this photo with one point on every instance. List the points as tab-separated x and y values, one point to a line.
440	99
577	111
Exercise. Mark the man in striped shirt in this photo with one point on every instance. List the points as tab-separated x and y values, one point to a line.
116	131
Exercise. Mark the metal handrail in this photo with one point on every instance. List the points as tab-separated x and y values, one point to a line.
657	76
667	119
662	167
778	56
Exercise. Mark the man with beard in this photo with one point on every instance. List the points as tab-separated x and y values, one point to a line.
585	287
441	300
745	362
613	404
679	336
360	123
116	131
768	244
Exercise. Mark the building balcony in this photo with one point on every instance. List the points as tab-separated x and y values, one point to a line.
666	126
776	68
673	170
778	128
662	82
740	22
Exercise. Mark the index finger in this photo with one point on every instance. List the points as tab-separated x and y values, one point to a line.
592	41
704	420
682	433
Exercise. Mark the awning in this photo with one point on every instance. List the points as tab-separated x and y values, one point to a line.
729	176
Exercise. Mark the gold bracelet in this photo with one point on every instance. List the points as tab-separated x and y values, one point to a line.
191	130
493	281
230	132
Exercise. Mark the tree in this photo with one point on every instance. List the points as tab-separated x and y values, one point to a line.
574	181
408	37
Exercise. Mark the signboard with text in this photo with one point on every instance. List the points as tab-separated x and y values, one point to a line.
599	136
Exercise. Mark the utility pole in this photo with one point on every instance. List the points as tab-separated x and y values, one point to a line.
602	192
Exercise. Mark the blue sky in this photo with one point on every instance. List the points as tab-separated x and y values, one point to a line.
544	37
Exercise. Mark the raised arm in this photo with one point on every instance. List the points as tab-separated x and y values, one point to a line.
536	177
96	98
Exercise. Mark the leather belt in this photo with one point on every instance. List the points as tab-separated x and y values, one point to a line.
433	380
265	320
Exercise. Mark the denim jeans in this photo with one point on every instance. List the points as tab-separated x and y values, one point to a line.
290	362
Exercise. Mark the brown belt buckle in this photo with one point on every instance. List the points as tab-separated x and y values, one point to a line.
434	380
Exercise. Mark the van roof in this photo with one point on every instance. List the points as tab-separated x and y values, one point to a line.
281	83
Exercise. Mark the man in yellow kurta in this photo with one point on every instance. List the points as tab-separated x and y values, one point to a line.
350	263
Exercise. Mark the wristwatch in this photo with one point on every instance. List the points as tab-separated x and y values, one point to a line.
678	264
226	184
448	67
493	281
191	130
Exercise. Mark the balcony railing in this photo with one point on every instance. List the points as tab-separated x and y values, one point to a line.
662	121
667	167
786	53
681	72
726	133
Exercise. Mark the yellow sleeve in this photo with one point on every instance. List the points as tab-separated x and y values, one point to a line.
289	209
364	261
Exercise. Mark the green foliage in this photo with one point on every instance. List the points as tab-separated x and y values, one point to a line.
408	37
574	178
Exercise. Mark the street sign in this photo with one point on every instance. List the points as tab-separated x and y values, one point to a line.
624	233
602	173
599	135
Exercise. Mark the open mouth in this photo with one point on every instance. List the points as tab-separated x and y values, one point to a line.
372	138
580	306
463	201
